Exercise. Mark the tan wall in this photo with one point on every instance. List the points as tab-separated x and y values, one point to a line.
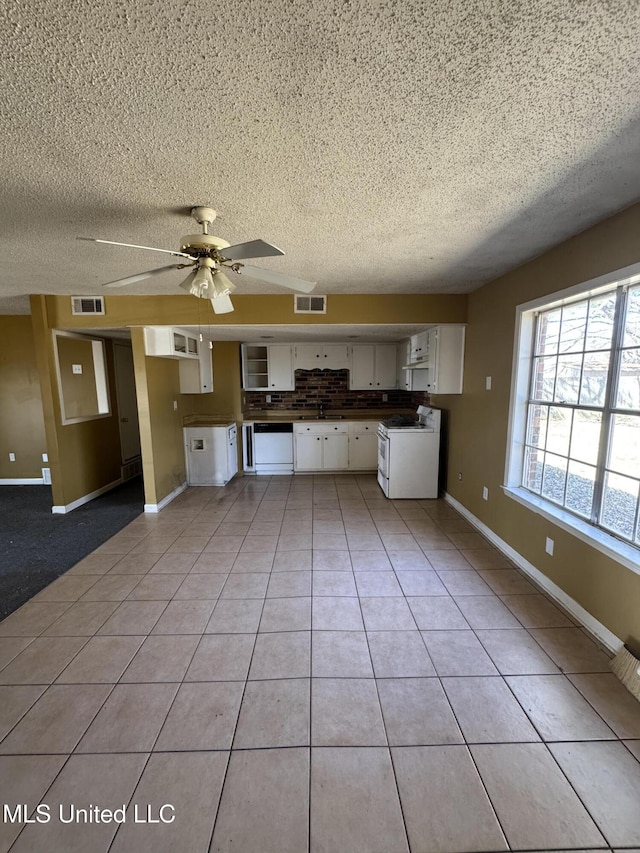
157	386
260	310
478	422
21	419
226	398
83	457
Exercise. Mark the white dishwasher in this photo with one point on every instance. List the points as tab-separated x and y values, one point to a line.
273	448
211	454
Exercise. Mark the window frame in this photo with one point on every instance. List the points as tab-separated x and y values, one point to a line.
523	354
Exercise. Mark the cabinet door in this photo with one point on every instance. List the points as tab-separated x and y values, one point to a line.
308	448
335	455
385	366
404	357
362	366
363	452
448	363
335	357
306	356
280	368
420	347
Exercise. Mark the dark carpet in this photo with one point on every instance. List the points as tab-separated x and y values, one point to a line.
36	546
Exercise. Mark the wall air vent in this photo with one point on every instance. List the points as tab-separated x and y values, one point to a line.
309	304
87	305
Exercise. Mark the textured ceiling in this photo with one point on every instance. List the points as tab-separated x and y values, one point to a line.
408	147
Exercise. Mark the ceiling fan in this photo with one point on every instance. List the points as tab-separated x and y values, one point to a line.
210	258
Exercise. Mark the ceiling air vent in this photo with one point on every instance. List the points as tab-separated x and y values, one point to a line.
87	305
310	304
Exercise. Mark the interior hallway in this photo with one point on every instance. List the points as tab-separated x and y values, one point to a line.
296	663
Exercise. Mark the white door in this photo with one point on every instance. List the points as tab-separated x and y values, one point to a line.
386	355
127	401
280	368
363	452
335	452
362	366
335	357
307	357
308	452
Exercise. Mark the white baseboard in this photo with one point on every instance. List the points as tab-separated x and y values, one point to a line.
597	629
61	510
166	500
22	481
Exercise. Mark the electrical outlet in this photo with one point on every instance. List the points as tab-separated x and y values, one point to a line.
268	398
548	547
12	457
46	476
45	457
76	368
485	493
487	383
385	397
459	475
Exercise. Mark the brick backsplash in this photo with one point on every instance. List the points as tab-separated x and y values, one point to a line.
331	388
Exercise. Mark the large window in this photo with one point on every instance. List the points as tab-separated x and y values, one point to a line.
581	447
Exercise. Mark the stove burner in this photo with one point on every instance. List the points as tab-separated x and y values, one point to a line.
401	421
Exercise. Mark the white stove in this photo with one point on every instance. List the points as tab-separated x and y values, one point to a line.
408	455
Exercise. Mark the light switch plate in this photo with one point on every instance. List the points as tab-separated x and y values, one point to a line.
487	383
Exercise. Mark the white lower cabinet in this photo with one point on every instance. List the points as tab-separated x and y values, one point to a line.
363	445
321	447
348	446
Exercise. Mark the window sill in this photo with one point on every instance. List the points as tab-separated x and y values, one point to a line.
614	548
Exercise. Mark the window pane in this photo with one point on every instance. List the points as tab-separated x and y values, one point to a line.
624	449
537	426
532	473
580	483
585	436
628	396
553	478
548	332
568	378
574	324
559	430
594	378
600	324
632	322
544	374
619	504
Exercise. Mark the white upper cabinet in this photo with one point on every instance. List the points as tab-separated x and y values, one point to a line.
373	366
445	359
196	377
167	342
280	368
267	368
320	356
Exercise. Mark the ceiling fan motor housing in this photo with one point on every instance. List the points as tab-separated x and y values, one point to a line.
201	244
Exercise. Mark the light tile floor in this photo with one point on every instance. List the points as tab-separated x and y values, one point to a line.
299	664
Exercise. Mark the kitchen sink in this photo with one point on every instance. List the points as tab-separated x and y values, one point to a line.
321	417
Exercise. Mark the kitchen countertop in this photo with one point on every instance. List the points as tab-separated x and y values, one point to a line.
307	416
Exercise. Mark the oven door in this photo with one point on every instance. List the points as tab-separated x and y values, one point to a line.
383	455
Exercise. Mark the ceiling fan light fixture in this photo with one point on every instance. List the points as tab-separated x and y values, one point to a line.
222	304
188	284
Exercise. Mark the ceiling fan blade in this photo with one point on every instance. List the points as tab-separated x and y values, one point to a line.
277	278
132	279
252	249
134	246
